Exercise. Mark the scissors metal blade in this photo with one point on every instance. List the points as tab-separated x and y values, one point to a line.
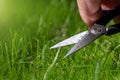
72	40
90	36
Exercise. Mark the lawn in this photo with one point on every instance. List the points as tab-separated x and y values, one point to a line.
28	28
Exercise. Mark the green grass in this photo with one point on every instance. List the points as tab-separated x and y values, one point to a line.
29	28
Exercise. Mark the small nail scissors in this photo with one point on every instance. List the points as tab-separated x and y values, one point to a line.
98	29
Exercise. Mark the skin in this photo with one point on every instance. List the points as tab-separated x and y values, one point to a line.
91	10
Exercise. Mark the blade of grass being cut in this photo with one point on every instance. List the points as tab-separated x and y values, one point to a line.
50	67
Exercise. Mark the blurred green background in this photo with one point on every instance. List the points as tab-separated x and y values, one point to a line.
28	28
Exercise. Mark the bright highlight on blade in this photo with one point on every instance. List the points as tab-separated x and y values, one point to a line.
88	38
71	40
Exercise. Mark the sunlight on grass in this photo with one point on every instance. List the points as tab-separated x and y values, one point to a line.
2	6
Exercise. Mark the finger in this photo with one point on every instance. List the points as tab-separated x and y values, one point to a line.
110	4
90	10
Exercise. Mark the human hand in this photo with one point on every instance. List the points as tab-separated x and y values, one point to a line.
91	10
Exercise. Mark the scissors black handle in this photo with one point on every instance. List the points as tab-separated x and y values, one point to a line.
113	29
108	16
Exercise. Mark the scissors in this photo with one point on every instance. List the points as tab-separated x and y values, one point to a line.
97	30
